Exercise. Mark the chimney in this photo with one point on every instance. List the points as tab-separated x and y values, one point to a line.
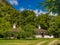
14	26
39	27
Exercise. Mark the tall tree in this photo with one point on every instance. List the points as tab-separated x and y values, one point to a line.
8	13
43	21
29	17
54	26
51	5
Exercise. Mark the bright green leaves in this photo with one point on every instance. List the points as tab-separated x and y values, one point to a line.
51	6
54	26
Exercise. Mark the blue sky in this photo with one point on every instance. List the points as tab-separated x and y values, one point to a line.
27	4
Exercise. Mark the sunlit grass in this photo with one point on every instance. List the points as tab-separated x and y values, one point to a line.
20	42
25	42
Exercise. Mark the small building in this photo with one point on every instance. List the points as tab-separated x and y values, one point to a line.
42	33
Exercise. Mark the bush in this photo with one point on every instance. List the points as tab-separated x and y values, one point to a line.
26	33
29	30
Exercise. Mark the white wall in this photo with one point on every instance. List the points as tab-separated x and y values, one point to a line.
45	36
38	36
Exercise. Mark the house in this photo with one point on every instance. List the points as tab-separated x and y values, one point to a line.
42	33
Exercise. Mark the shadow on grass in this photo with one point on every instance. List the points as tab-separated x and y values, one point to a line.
58	44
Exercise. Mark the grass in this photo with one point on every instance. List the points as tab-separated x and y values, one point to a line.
24	42
57	43
20	42
49	40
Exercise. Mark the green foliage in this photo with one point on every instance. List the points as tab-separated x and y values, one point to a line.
50	23
4	25
7	19
43	21
51	5
55	26
26	23
27	32
29	17
30	30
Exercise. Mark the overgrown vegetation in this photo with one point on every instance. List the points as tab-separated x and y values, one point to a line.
26	23
25	42
22	42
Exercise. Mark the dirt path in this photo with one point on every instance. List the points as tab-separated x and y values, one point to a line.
52	42
41	42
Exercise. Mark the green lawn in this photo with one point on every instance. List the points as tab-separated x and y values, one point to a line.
24	42
50	40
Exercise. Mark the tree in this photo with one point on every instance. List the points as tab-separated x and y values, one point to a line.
43	21
6	12
27	32
4	26
51	5
7	18
54	28
14	18
28	16
30	30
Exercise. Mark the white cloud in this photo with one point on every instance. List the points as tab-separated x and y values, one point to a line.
13	2
42	12
52	14
21	9
39	12
36	12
